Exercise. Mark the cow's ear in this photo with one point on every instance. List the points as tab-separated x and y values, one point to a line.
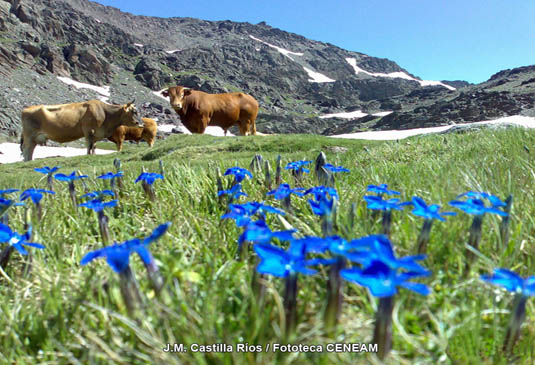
187	91
165	93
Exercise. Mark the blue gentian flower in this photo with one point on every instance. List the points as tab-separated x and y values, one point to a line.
259	232
9	202
242	213
377	203
322	207
98	205
35	194
239	214
421	209
110	175
512	282
321	191
118	255
148	177
297	166
493	199
381	189
16	240
235	192
378	247
71	177
47	170
7	191
284	190
335	169
253	208
278	262
239	173
523	289
382	280
98	194
476	207
157	233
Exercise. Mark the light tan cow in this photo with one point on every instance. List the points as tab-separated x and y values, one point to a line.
93	119
198	110
123	133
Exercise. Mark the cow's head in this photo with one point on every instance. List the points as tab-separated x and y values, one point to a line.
131	116
176	96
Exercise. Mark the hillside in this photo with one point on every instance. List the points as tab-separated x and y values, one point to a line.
296	80
64	312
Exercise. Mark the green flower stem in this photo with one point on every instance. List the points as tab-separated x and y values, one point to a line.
386	223
334	296
39	210
382	334
268	182
149	190
155	277
504	225
129	290
517	318
290	303
473	241
327	225
423	237
72	193
278	179
103	227
50	182
5	254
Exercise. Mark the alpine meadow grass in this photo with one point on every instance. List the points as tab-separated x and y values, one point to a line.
61	312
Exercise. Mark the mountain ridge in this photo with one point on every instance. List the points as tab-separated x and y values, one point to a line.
136	55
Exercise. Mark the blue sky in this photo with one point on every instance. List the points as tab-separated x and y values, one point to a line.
433	39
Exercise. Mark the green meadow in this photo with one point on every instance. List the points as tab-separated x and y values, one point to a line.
65	313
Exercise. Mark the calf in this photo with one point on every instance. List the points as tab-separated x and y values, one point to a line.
148	133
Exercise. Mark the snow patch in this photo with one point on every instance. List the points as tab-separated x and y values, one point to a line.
97	20
213	131
10	152
382	114
317	77
173	51
398	74
104	91
159	94
138	45
347	115
281	50
526	122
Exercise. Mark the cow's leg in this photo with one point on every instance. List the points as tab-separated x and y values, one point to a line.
243	129
90	145
28	147
253	127
201	127
120	145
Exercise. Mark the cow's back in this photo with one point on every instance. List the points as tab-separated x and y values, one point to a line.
60	123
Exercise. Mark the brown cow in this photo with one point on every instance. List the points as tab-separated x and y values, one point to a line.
197	109
148	133
93	119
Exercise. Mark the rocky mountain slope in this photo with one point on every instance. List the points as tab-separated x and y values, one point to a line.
296	80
